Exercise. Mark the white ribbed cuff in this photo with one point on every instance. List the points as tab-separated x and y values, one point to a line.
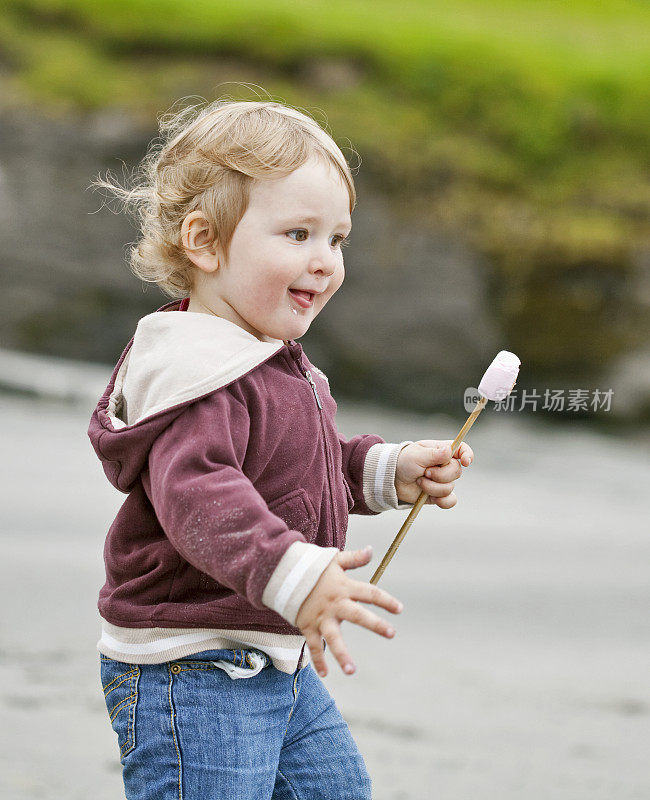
295	576
379	477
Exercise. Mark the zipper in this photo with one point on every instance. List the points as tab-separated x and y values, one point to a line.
313	386
308	375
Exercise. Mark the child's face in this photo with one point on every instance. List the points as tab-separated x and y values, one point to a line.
275	249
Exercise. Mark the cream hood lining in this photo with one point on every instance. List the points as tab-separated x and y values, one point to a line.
178	356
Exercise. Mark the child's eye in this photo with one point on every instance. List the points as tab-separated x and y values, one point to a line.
303	234
298	230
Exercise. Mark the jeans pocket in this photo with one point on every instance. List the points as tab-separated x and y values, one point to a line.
120	686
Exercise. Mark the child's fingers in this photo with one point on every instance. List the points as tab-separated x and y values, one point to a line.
369	593
441	453
434	489
436	451
331	631
316	650
449	472
355	612
465	454
349	559
446	502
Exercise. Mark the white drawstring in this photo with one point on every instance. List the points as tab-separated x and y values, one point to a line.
260	660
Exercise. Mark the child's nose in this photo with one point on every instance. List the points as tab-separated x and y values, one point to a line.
324	262
324	269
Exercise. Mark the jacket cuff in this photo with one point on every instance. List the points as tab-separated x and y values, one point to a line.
379	477
295	576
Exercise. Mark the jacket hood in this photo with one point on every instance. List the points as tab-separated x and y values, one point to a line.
173	359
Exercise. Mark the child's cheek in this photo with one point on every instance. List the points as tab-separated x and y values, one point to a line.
336	281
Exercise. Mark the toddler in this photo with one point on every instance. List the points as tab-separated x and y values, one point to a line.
225	565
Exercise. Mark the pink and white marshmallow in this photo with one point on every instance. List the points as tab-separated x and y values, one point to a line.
500	377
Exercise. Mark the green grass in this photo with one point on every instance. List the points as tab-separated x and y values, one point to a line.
522	122
543	79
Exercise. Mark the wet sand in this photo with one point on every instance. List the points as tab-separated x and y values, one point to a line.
521	661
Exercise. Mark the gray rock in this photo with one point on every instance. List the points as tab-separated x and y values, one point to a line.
410	320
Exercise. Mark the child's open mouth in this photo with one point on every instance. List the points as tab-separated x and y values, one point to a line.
304	299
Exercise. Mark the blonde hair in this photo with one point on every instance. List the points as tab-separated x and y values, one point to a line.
206	160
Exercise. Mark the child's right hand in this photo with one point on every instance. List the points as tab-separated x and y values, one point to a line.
332	600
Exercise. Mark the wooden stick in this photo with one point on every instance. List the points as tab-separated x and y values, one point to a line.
423	496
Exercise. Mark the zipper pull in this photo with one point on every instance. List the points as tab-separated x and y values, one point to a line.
313	386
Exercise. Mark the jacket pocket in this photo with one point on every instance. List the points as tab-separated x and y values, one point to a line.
120	686
348	493
297	511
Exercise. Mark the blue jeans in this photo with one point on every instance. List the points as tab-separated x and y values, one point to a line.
186	730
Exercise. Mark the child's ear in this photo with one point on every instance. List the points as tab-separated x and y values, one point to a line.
199	243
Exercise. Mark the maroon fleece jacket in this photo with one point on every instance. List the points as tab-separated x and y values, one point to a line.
220	487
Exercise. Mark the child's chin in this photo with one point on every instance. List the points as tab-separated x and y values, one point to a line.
296	333
300	325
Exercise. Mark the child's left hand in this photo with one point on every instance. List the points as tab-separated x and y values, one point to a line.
427	466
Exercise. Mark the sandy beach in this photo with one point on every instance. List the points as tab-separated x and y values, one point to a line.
521	661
